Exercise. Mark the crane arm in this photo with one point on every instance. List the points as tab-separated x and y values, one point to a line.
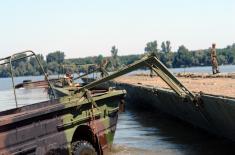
153	63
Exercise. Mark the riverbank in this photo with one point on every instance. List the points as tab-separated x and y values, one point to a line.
215	85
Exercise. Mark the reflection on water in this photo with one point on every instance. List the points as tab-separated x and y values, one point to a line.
144	132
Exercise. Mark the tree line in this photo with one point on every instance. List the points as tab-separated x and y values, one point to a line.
183	57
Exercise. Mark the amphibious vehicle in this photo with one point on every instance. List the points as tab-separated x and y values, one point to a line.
81	123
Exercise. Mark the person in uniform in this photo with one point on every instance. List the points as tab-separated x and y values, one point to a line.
68	79
214	61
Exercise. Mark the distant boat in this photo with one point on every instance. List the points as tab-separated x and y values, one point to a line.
34	84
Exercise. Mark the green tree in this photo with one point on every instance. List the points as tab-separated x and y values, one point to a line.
163	46
4	71
233	46
99	59
167	58
56	56
16	60
37	69
151	47
129	59
53	67
168	46
183	57
114	58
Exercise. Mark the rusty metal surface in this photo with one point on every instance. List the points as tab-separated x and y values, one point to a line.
35	84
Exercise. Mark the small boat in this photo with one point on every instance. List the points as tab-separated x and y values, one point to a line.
34	84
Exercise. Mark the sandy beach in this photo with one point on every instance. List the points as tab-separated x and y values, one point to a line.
215	86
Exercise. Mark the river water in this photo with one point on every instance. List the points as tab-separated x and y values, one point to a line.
155	133
139	132
202	69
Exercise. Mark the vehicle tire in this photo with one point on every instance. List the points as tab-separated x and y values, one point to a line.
83	148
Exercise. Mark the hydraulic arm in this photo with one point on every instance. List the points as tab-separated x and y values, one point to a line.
154	64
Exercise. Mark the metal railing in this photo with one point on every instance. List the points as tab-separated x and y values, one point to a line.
22	55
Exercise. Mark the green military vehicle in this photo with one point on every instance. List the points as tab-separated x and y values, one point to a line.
81	121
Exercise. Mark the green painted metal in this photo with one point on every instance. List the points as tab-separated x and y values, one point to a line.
64	121
153	63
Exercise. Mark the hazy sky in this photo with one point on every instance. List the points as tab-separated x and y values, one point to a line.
90	27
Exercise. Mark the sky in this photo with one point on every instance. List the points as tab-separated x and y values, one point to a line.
83	28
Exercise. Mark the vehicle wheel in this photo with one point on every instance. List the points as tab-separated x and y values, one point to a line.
83	148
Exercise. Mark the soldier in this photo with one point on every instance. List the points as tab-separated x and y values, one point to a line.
68	79
214	60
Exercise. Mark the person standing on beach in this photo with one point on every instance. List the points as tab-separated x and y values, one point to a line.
214	61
